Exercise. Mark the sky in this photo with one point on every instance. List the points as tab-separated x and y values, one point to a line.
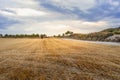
58	16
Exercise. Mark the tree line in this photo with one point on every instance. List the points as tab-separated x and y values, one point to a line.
66	34
95	36
23	36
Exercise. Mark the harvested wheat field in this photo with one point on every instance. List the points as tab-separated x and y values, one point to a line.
57	59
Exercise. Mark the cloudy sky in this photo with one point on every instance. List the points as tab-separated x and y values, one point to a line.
57	16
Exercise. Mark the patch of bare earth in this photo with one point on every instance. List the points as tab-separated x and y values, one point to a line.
57	59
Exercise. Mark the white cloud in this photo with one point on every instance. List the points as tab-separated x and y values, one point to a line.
21	8
100	23
6	13
57	27
19	4
27	12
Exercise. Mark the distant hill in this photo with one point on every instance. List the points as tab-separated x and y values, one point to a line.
112	30
111	34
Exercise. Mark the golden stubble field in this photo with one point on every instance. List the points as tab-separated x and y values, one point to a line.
57	59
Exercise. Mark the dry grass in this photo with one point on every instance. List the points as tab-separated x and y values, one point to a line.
57	59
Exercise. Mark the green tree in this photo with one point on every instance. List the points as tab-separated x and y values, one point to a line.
69	33
1	35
